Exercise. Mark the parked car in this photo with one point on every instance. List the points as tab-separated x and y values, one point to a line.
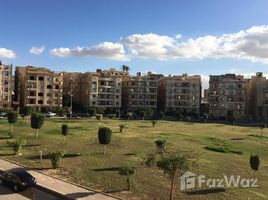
51	114
17	179
3	114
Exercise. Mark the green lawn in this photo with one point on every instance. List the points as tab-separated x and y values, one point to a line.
99	171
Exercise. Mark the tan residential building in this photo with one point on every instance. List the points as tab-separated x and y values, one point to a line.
101	89
39	88
227	97
258	97
181	94
71	88
5	86
140	91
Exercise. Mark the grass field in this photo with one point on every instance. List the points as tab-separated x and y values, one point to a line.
99	171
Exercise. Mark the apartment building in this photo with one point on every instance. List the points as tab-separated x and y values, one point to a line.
71	88
180	94
227	97
258	97
5	86
38	87
140	91
101	89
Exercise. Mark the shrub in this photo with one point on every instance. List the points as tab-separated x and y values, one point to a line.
37	120
16	145
99	116
64	131
92	111
254	161
12	117
127	169
262	126
55	158
154	123
26	111
104	136
160	145
121	127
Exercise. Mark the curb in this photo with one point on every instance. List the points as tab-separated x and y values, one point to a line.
55	193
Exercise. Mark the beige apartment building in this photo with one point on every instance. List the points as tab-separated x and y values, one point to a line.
39	88
71	88
227	97
140	91
180	94
258	97
5	86
101	89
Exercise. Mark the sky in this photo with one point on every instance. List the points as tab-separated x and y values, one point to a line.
163	36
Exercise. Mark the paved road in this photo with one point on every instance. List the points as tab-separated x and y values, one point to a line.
31	193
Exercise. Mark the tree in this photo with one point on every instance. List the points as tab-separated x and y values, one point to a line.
129	115
104	136
254	161
262	126
12	117
127	169
154	122
26	111
125	68
55	158
121	127
16	145
162	115
99	117
37	120
160	145
92	112
173	164
64	131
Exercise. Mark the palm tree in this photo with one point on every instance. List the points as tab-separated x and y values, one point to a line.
125	68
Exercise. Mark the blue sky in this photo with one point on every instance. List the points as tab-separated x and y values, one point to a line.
152	35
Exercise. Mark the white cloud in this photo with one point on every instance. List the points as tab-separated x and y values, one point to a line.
37	50
7	53
250	44
109	50
148	45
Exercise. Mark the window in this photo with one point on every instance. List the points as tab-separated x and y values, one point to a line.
32	78
49	86
40	94
49	79
32	101
48	101
57	87
40	78
40	101
48	94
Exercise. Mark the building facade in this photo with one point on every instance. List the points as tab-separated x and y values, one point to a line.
140	91
6	84
38	88
180	94
101	89
258	98
227	97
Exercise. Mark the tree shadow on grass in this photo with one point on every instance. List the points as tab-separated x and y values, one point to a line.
108	169
130	154
205	191
38	168
7	154
32	145
80	194
4	138
114	191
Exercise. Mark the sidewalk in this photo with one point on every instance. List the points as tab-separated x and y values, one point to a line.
55	185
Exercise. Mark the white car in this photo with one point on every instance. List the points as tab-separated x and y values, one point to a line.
51	114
